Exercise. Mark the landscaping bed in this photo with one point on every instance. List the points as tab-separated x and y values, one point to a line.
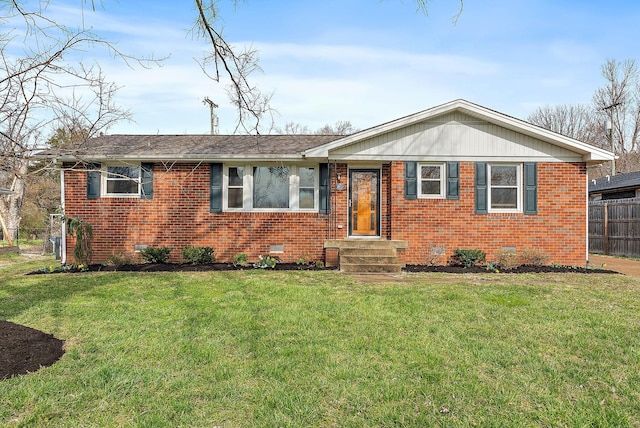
518	269
209	267
24	349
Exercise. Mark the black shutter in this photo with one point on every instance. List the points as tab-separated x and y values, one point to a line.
325	189
93	180
530	188
411	180
453	180
481	188
215	192
146	176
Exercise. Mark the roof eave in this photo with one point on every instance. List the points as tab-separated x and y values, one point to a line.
185	158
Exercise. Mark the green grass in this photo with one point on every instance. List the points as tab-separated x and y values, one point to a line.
302	349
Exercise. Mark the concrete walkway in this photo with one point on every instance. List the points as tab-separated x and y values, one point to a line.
619	264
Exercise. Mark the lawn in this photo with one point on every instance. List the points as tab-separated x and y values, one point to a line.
316	349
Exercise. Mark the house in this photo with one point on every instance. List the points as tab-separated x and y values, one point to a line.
454	176
621	186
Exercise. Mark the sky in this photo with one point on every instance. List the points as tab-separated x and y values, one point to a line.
363	61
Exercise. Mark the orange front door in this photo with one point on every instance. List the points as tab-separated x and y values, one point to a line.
364	202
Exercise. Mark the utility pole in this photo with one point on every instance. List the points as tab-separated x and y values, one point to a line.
214	118
609	127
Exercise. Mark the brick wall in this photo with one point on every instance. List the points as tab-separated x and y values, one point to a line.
558	230
179	215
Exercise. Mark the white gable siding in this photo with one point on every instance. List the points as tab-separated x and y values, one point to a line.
454	136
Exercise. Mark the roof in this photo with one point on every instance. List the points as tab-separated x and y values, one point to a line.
589	153
630	180
297	147
191	147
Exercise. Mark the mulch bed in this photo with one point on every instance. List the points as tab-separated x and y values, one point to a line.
209	267
24	349
519	269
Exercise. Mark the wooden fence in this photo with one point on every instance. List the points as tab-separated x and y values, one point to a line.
614	227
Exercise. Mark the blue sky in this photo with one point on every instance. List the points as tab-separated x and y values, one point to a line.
366	61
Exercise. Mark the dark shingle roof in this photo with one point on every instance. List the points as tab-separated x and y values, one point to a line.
630	180
193	146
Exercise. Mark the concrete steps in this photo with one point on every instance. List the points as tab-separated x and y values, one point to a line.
368	255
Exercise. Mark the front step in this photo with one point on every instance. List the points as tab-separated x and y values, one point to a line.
368	255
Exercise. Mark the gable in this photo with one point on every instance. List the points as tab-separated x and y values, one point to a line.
460	130
454	136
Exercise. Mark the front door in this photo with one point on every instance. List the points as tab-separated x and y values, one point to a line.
364	202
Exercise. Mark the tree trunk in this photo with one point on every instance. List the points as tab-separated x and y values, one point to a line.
10	205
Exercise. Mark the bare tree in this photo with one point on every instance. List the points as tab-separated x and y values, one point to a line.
339	128
575	121
618	107
611	122
41	89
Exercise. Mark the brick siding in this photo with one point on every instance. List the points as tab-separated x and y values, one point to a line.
558	230
178	215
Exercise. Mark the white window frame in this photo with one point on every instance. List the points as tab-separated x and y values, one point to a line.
104	174
247	189
443	181
518	187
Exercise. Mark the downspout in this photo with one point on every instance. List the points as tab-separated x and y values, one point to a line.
63	238
587	219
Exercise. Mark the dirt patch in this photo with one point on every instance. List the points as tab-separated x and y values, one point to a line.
619	264
24	349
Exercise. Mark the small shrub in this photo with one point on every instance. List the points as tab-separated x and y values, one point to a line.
240	259
319	265
266	262
507	259
198	255
121	259
468	258
303	260
83	232
533	257
155	254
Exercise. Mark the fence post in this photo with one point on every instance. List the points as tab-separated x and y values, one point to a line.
605	238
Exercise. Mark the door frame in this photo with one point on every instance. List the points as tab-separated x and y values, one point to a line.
378	172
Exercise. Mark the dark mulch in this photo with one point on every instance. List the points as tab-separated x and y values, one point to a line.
208	267
184	267
519	269
24	349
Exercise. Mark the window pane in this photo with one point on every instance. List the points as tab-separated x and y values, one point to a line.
503	175
122	186
235	176
504	198
431	172
120	172
307	177
430	187
270	187
306	198
235	198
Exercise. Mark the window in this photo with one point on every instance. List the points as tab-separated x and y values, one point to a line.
121	180
307	189
235	191
271	187
505	188
432	183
